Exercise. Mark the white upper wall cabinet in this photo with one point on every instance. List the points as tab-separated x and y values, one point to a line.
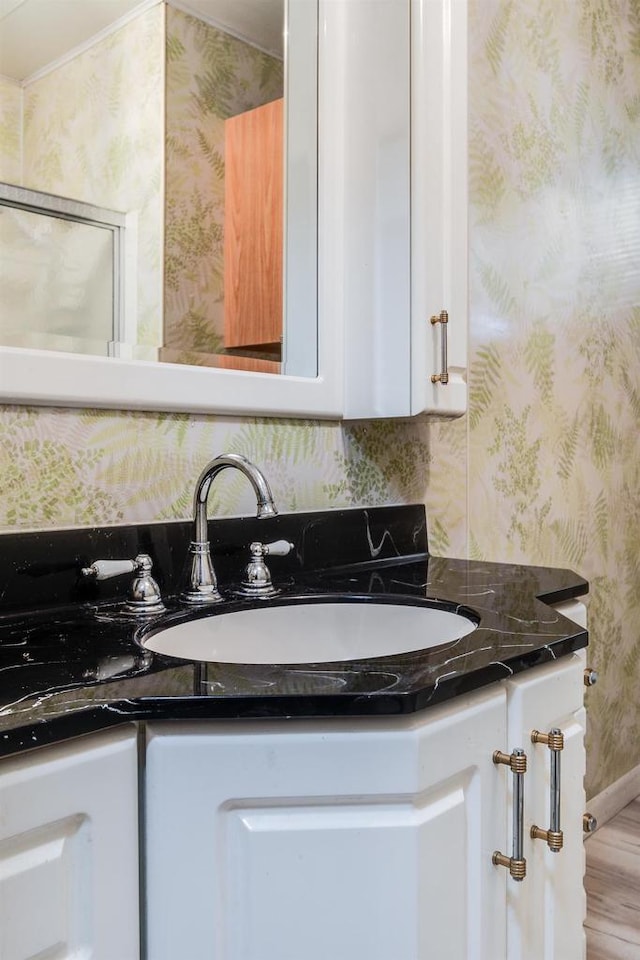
439	205
387	107
405	172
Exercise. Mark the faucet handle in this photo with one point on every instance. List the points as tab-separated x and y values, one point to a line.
279	548
257	578
106	569
144	593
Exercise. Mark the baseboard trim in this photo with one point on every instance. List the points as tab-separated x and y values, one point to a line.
615	797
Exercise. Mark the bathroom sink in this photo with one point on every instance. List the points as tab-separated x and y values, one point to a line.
311	632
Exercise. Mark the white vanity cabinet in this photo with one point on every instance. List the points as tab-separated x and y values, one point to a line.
69	850
355	840
349	839
366	838
546	912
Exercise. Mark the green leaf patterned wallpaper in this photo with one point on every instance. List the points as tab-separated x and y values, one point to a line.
210	76
72	468
554	438
546	466
10	131
93	130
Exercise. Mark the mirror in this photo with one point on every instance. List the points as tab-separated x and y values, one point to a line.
162	178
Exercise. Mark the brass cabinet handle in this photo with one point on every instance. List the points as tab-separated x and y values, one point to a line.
443	376
516	863
553	836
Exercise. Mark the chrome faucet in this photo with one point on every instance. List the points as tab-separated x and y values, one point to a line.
203	585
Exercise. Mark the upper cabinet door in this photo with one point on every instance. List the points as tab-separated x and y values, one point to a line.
439	205
405	207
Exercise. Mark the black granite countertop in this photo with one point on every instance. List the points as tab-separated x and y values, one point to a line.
76	665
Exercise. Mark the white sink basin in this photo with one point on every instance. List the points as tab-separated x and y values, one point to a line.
315	632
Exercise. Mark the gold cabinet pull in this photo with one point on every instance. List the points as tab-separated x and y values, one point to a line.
443	376
553	836
516	863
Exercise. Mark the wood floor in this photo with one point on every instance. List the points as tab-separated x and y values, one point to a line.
613	888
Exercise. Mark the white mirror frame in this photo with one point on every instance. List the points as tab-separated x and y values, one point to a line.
69	380
374	359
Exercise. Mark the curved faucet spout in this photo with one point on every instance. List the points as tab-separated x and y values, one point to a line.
264	497
203	586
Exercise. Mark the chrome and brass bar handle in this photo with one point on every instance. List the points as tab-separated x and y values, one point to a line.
443	376
516	863
553	836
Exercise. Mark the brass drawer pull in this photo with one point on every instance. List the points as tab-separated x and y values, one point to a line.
443	376
553	836
516	863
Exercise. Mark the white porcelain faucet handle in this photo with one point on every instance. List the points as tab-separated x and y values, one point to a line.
106	569
279	548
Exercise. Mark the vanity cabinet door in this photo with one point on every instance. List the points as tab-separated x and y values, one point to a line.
361	840
546	912
69	851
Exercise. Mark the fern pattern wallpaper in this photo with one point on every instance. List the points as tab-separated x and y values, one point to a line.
10	131
554	431
93	130
546	466
210	76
